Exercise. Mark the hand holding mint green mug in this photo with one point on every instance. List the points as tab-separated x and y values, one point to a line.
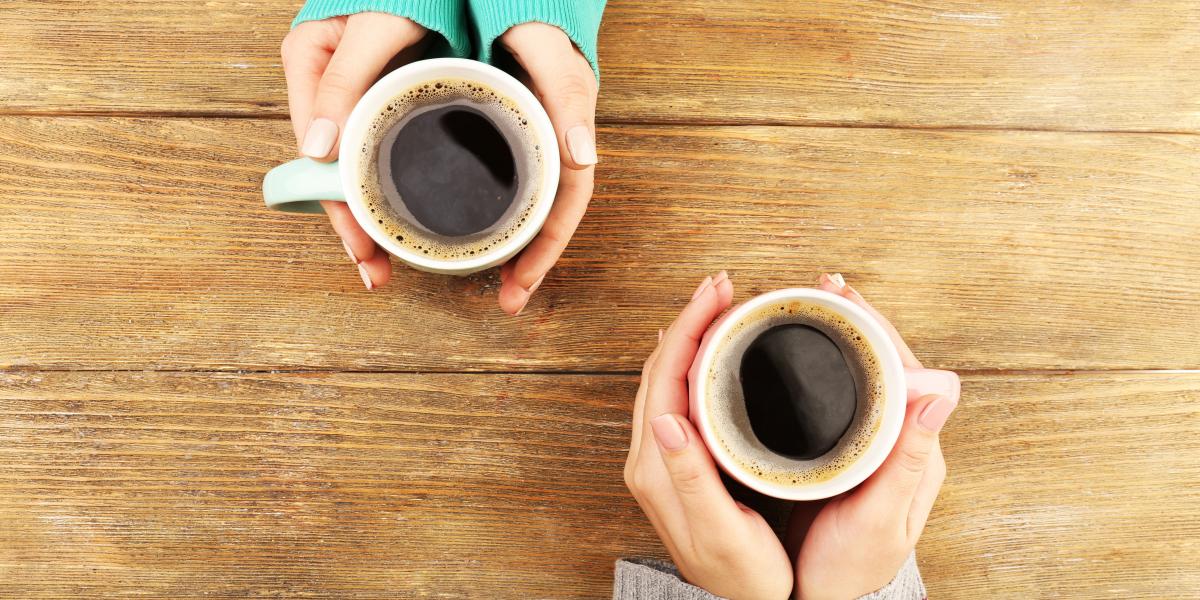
299	186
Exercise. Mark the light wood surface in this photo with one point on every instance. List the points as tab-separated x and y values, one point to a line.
383	485
989	249
1063	64
198	399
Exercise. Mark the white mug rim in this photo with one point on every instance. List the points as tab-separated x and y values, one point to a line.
895	394
409	76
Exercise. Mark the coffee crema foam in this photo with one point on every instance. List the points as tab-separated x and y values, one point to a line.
726	406
512	123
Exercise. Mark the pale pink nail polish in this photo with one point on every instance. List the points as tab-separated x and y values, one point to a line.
838	280
533	288
318	140
668	432
581	146
703	286
350	252
935	414
722	276
362	272
924	382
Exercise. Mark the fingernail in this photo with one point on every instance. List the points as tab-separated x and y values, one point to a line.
362	272
581	146
533	288
350	252
660	332
523	305
668	433
703	286
318	140
933	381
935	415
838	280
722	276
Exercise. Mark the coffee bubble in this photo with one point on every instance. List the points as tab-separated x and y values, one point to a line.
400	225
726	407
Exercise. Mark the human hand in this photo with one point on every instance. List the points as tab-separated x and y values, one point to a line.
717	543
855	543
563	81
329	64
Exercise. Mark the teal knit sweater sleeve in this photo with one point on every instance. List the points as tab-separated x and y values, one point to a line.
579	19
446	17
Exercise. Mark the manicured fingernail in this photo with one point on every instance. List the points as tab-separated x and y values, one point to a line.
722	276
523	305
362	272
533	288
936	413
703	286
668	433
350	252
318	140
581	146
933	381
660	332
838	280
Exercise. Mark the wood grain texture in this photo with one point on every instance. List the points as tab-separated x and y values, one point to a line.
1069	486
329	486
142	244
383	485
1063	64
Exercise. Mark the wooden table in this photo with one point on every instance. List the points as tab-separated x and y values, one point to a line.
198	399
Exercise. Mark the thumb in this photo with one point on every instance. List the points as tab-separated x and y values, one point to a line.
565	83
369	42
895	483
693	474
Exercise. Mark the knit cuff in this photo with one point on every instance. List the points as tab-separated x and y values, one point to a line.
907	584
446	17
648	579
579	19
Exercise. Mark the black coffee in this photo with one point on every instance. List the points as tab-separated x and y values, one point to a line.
451	168
795	393
799	391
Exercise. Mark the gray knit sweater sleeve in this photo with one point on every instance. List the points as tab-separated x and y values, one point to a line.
645	579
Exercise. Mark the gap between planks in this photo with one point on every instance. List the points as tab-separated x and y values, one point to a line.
126	114
567	373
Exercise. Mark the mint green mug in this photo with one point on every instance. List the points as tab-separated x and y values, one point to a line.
299	186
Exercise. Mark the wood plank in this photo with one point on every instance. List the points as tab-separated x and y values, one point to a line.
1069	486
372	485
150	249
941	63
142	244
173	486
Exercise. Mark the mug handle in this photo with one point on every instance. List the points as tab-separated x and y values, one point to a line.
299	186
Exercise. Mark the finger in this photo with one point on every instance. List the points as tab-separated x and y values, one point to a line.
639	404
306	51
836	284
924	382
368	43
704	501
375	271
927	492
667	391
800	520
892	489
574	193
566	85
358	243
